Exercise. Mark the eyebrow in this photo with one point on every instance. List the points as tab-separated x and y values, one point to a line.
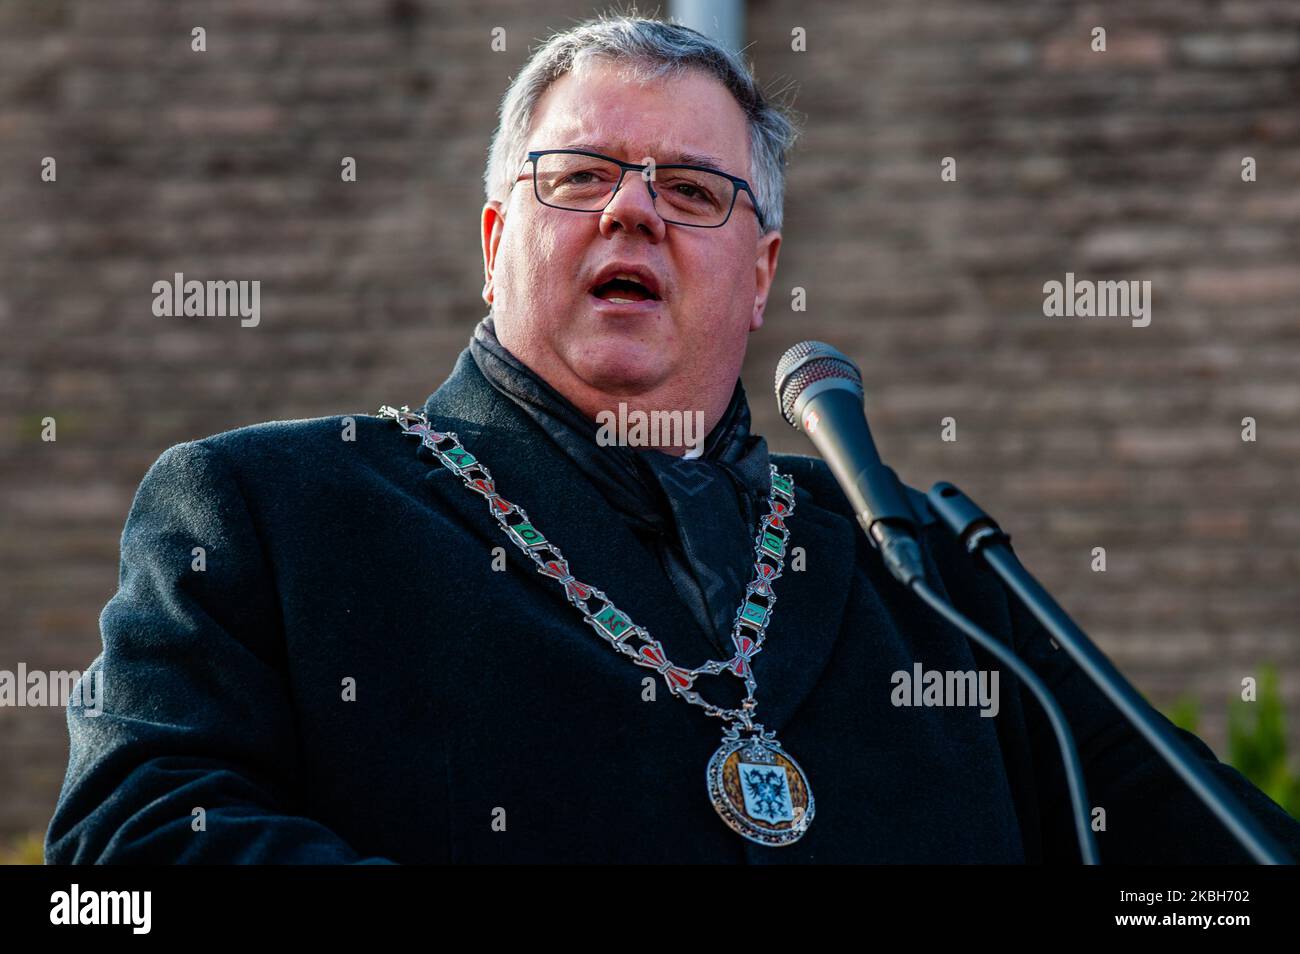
684	158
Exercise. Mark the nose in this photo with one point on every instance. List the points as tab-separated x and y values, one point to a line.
632	209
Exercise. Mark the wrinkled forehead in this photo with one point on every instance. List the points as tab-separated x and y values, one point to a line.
613	108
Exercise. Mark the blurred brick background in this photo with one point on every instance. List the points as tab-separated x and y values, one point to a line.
1075	433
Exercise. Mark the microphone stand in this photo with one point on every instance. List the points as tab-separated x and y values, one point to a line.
982	537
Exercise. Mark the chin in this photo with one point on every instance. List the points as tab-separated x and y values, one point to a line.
619	368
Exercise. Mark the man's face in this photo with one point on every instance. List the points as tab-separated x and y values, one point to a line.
541	263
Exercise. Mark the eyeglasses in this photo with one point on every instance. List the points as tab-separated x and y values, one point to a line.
579	181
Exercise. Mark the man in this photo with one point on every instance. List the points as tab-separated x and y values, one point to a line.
370	667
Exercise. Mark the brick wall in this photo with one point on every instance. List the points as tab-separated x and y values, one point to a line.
1076	433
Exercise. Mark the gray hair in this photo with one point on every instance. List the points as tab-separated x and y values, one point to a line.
650	49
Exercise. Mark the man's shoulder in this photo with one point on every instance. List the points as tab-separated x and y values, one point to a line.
290	451
814	475
298	433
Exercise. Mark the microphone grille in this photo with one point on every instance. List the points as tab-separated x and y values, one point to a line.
806	363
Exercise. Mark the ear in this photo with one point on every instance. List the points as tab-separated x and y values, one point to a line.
769	247
492	224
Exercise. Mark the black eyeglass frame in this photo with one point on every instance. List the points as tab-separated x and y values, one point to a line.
737	184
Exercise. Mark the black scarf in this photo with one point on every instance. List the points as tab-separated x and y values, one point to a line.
699	514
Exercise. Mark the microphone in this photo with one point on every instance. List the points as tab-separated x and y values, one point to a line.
819	392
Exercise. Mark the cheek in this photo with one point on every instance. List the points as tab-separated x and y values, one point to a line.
543	270
716	283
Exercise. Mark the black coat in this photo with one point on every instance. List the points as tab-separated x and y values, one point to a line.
479	690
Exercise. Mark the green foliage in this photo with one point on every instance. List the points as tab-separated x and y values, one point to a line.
27	850
1256	740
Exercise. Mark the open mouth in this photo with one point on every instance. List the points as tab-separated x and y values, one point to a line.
623	291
